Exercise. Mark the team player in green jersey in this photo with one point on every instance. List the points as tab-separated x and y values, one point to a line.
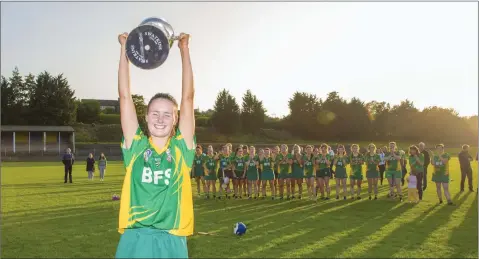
284	161
252	174
393	170
274	154
340	162
224	171
372	160
309	170
239	171
323	162
198	171
356	161
416	164
211	165
260	171
266	163
297	171
156	208
440	161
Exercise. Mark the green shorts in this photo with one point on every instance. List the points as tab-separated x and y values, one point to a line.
252	176
356	176
239	174
440	178
198	174
151	243
325	172
267	175
284	175
298	174
341	173
308	175
394	174
211	176
372	174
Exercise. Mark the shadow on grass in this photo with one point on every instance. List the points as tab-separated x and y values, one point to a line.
408	236
305	222
466	232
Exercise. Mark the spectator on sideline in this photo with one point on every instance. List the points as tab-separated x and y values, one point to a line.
68	161
90	166
466	170
427	161
102	166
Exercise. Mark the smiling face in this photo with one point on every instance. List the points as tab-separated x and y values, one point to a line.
266	152
296	149
239	153
308	150
261	152
355	149
324	150
252	151
440	149
161	117
210	150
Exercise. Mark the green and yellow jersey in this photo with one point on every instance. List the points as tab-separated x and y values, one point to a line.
372	162
441	168
282	161
251	164
239	163
266	164
156	191
392	164
308	164
198	166
356	163
322	161
416	166
223	162
341	161
210	164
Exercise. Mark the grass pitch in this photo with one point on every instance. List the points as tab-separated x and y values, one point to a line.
43	217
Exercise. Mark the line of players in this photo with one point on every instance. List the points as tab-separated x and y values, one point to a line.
251	171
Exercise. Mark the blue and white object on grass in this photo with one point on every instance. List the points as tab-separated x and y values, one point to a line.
239	229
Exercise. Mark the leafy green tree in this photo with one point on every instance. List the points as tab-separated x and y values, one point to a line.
226	115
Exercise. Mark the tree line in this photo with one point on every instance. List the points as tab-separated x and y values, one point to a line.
46	99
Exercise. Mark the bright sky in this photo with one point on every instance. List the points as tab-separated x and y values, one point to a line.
426	52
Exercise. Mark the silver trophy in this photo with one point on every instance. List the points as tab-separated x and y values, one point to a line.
149	44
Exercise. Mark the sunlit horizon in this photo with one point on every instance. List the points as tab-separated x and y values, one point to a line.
424	52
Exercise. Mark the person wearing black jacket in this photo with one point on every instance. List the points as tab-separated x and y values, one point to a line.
68	161
466	170
427	161
90	166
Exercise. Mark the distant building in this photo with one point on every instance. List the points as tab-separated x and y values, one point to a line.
107	104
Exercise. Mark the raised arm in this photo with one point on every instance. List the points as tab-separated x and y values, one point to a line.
129	121
187	113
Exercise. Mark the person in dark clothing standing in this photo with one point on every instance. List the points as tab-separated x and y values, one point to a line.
90	166
68	161
466	170
427	161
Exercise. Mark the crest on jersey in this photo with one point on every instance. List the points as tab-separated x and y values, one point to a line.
147	154
168	155
157	161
